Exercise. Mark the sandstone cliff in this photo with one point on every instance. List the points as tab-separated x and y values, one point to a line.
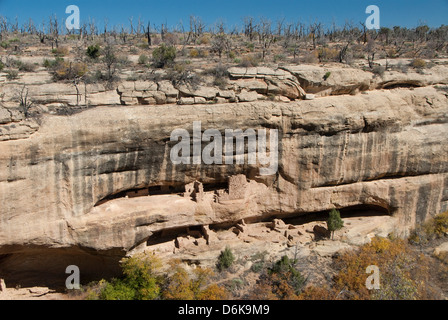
67	183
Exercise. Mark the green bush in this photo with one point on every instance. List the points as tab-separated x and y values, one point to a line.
220	75
164	56
2	66
257	266
194	53
225	259
118	290
48	63
93	51
279	57
282	281
285	267
26	67
143	279
327	75
12	74
111	61
231	55
60	52
258	260
440	224
434	228
334	221
379	70
181	74
7	44
327	54
140	280
418	63
52	64
143	59
66	70
249	61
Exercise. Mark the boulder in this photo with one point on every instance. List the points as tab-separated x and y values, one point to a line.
145	86
147	100
394	79
5	116
277	224
129	101
160	97
264	72
103	98
321	232
199	100
201	91
282	99
324	81
186	101
441	249
285	88
227	94
95	88
252	85
247	96
241	72
167	88
171	100
144	94
258	72
126	86
219	100
309	96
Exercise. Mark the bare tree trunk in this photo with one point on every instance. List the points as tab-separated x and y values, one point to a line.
139	25
105	29
131	23
148	34
296	52
85	94
343	53
370	59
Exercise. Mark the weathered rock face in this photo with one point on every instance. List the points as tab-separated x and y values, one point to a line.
13	124
435	75
51	95
331	81
338	80
70	183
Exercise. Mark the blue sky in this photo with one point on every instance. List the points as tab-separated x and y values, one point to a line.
399	12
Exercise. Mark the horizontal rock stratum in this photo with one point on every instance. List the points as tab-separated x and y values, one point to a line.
64	187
